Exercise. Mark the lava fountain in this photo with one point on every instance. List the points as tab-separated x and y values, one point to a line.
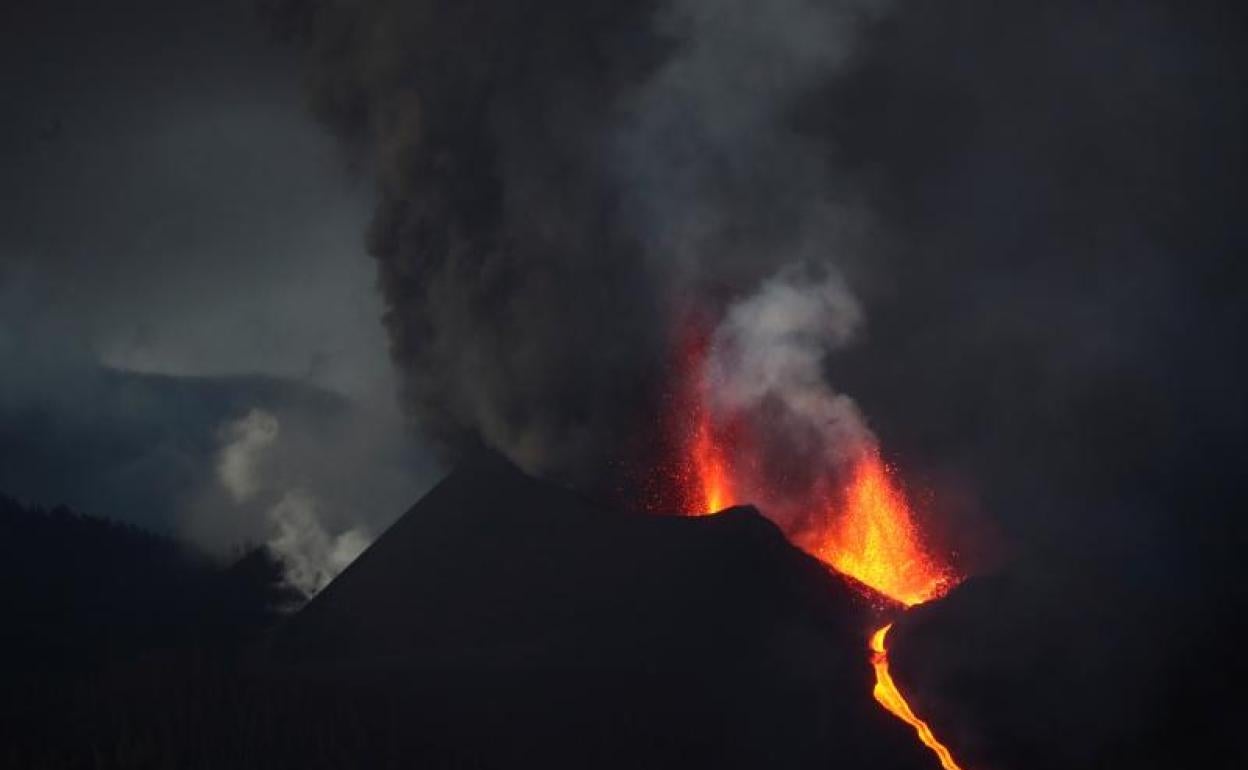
857	521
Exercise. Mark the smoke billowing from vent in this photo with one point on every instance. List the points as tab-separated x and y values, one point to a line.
765	373
722	184
557	182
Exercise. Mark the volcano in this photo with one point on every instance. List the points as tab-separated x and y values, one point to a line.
504	622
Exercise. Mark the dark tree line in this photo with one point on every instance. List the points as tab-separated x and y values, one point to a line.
80	592
87	603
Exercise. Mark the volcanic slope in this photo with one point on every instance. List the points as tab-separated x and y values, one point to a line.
1035	668
506	622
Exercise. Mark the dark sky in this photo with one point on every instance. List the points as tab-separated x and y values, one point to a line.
170	206
170	209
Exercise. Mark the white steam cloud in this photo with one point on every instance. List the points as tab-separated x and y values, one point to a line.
293	519
311	556
729	192
771	347
247	440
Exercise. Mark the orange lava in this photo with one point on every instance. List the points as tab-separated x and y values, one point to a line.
704	469
711	467
874	539
888	696
864	527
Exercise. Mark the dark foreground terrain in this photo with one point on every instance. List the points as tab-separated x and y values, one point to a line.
501	622
504	622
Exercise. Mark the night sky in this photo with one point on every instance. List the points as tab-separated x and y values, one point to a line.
267	270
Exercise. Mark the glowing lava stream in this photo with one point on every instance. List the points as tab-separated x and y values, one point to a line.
888	696
865	530
873	539
876	542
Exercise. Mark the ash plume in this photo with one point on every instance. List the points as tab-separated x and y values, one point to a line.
714	168
1034	205
557	182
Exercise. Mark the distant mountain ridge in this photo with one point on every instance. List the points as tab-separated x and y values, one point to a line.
131	444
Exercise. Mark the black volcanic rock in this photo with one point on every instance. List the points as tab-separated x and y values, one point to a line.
494	568
1033	669
505	622
79	593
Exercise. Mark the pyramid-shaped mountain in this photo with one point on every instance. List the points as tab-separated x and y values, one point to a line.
504	621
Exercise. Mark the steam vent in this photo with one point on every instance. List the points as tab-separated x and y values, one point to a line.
505	622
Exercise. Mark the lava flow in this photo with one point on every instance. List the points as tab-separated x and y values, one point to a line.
888	696
876	541
862	527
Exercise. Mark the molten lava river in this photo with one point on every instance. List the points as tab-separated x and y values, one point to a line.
862	526
875	541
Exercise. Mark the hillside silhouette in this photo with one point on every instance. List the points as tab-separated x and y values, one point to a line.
83	597
501	622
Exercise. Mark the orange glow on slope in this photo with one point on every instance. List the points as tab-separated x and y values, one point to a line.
874	539
888	696
865	529
863	526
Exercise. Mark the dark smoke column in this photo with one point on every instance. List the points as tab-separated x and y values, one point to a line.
562	184
518	310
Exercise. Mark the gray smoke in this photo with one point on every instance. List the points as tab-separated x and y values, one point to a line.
720	181
559	183
770	350
279	486
180	246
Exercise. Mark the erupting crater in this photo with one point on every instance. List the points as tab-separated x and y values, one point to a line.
862	526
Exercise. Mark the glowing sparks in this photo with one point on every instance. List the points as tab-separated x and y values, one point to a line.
704	469
714	478
888	696
874	539
863	525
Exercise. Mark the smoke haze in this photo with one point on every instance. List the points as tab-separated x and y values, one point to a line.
559	185
554	194
180	247
766	377
278	495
